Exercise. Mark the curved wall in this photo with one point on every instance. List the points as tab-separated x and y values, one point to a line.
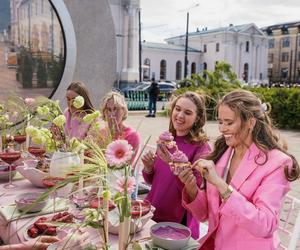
90	46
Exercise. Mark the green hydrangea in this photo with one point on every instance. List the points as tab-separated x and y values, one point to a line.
78	102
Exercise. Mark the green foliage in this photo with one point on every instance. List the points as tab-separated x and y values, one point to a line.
56	67
41	73
284	102
25	69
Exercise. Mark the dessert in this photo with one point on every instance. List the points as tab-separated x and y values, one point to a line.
179	162
167	139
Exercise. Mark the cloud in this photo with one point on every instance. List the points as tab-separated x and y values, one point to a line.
213	14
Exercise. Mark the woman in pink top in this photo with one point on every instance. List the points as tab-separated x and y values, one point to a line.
75	126
247	176
188	116
114	111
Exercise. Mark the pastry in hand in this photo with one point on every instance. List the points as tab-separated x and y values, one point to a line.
179	162
167	139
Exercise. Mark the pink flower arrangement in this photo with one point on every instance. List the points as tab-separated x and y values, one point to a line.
122	184
118	153
29	101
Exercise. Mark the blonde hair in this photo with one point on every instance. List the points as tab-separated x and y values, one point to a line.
118	99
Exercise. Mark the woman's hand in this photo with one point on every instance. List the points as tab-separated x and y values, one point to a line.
189	180
148	160
41	243
163	153
207	170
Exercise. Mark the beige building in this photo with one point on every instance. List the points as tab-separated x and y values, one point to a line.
35	24
284	52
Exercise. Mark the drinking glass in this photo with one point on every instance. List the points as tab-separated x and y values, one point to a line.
10	158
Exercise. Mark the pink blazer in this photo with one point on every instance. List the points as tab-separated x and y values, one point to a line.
249	218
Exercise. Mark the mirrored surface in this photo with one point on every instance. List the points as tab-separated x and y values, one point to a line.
32	48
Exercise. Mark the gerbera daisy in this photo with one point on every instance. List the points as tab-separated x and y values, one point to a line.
118	153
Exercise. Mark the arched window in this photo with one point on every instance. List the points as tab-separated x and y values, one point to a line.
163	70
146	69
204	68
245	74
193	68
178	70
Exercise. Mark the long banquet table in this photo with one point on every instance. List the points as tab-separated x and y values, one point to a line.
14	231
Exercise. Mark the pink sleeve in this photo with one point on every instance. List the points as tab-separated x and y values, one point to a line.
198	207
260	215
148	177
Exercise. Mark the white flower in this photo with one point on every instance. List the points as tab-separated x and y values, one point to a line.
78	102
59	120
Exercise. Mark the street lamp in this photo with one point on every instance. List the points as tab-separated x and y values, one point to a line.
187	40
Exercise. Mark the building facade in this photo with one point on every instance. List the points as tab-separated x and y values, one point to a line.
244	47
35	25
284	52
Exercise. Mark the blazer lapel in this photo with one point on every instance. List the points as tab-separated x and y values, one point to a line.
246	166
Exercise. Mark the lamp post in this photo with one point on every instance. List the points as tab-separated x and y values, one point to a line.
187	40
186	45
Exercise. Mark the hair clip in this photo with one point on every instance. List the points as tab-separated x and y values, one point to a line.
264	107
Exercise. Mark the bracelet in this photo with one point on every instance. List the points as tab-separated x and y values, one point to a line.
225	195
147	171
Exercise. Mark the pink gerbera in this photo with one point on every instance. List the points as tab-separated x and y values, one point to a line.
130	184
118	153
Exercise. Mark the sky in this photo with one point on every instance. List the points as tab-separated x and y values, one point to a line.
166	18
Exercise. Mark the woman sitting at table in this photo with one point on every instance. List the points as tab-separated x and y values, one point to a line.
75	126
188	116
114	111
247	176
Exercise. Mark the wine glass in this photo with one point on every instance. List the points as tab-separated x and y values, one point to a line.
20	139
38	153
50	182
10	158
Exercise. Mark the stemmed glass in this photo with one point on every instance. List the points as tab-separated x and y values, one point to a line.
10	158
38	152
20	139
50	182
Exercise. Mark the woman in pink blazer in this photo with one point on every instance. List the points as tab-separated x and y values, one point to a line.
247	176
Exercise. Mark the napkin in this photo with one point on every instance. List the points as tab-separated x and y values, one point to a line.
11	213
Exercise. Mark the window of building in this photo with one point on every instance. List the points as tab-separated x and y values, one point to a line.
217	47
163	70
270	73
146	69
204	48
270	58
285	57
246	70
285	29
271	43
247	46
298	74
178	70
284	72
299	56
216	64
204	68
193	68
260	76
285	42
